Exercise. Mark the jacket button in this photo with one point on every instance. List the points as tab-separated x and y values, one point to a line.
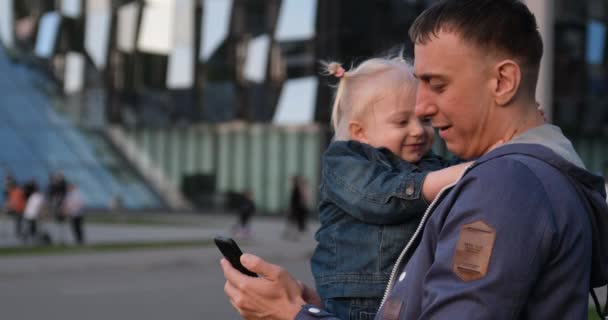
314	310
402	276
409	190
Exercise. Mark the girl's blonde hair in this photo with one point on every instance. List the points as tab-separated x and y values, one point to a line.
361	86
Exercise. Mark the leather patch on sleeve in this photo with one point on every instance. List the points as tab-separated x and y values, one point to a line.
473	251
392	309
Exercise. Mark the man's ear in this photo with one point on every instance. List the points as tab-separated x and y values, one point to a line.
357	131
508	79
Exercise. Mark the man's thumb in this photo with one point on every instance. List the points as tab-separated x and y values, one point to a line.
254	263
251	262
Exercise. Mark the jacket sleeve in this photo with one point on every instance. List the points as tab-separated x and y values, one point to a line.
510	199
372	190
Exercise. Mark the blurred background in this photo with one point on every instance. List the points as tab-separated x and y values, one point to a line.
169	108
166	104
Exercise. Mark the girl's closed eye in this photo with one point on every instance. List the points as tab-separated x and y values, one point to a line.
425	121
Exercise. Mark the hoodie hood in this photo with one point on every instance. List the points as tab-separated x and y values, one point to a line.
547	143
551	137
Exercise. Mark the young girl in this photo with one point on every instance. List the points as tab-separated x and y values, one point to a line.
376	184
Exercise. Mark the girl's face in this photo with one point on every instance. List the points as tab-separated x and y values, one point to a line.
392	123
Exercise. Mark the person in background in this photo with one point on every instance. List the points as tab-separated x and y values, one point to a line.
57	191
73	210
245	207
33	210
299	201
14	203
297	215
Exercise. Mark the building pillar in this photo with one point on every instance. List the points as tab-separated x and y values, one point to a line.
545	18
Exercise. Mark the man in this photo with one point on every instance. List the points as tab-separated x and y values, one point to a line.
522	235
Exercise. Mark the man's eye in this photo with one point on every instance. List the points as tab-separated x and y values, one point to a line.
426	121
437	87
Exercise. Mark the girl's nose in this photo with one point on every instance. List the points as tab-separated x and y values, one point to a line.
416	128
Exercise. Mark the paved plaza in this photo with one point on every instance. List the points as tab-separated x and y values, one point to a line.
183	283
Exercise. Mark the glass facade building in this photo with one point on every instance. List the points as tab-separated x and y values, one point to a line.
152	65
38	141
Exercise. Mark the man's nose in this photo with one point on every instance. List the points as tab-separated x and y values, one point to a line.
424	106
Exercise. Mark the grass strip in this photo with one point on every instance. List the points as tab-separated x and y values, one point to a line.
137	220
154	220
102	247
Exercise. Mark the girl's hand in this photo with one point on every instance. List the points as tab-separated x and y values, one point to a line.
310	295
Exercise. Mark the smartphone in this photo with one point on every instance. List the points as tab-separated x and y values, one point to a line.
232	253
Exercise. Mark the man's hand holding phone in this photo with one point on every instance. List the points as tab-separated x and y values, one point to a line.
274	295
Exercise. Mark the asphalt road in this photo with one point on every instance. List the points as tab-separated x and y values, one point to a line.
160	284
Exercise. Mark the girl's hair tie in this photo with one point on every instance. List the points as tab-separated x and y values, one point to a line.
336	70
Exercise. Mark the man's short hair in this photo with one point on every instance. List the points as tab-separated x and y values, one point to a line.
503	26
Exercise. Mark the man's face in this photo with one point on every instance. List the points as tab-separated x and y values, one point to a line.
454	92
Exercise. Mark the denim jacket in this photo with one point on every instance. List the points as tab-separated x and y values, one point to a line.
370	205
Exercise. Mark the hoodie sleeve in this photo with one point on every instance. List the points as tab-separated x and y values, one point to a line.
364	183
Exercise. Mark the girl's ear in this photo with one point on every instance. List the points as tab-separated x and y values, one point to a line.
357	131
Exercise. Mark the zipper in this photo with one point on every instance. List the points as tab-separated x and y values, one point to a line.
416	234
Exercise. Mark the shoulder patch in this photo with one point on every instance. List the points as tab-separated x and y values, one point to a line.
473	250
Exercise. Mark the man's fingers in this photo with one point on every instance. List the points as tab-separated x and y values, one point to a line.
235	297
232	292
258	265
230	273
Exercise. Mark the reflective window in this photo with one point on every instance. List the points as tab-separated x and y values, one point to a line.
297	102
156	27
580	73
46	39
257	58
50	146
215	25
97	30
296	20
14	146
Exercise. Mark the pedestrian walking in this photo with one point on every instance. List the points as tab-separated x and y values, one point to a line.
33	209
14	203
73	210
246	209
299	200
57	191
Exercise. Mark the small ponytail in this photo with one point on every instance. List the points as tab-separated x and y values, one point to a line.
337	114
333	69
